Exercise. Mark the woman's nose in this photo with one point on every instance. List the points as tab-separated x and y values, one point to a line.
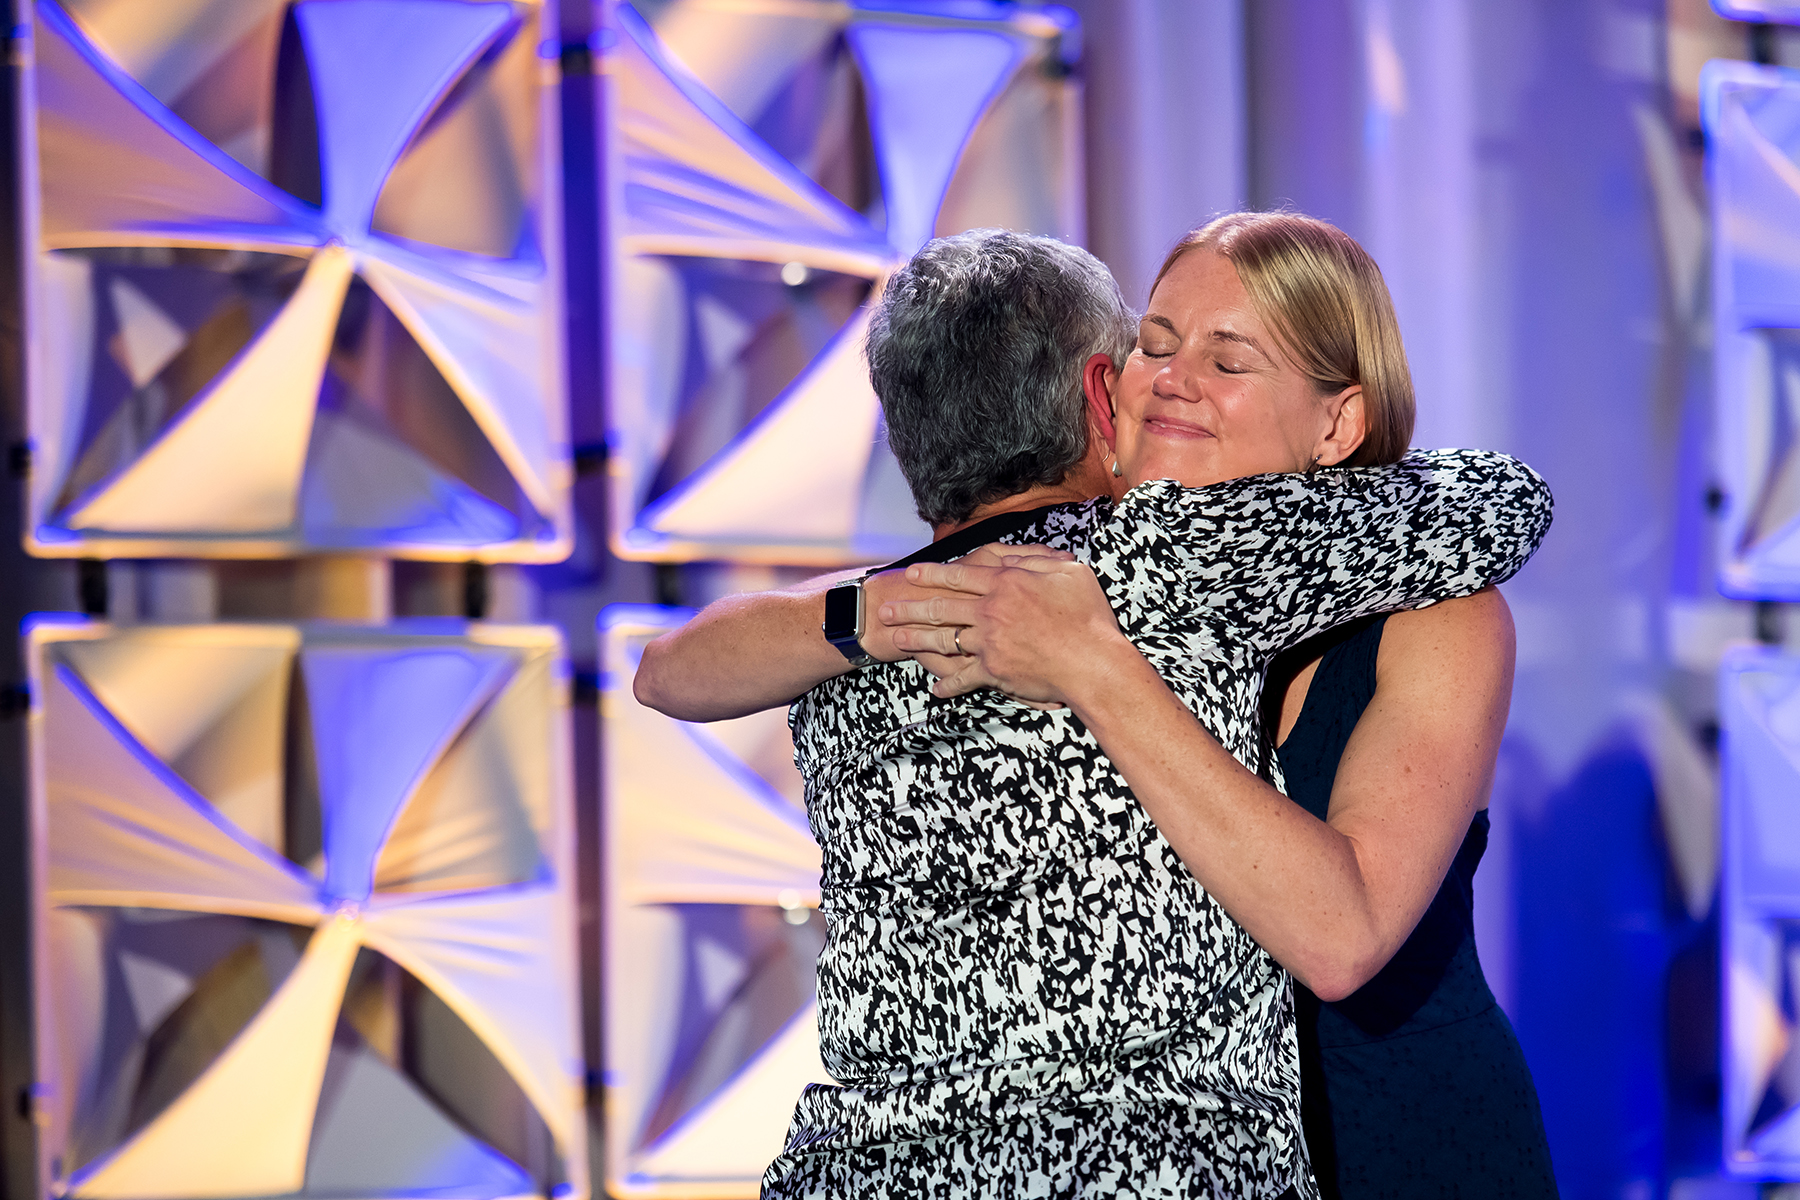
1176	382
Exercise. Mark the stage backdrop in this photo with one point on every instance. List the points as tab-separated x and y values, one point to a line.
304	910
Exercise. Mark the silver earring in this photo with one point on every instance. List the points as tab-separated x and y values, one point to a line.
1117	473
1315	465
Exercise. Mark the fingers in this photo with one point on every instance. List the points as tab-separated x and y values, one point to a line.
940	665
970	679
996	553
951	640
1043	564
952	576
939	610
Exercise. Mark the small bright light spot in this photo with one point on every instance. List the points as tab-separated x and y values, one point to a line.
794	274
792	910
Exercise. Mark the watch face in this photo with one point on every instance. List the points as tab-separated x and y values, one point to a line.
843	614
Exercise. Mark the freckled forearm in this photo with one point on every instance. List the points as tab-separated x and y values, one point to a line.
1292	881
740	655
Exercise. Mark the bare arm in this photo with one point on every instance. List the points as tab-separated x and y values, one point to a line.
1331	900
760	650
741	654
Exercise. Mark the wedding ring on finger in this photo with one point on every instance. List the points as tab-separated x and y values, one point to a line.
957	640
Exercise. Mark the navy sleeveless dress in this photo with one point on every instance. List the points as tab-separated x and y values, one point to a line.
1414	1085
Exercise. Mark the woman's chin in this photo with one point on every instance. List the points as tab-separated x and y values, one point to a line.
1197	467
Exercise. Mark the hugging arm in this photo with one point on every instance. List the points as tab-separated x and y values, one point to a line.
1330	900
760	650
740	655
1273	559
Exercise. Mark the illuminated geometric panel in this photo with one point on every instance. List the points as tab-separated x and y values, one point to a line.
776	162
1752	117
712	938
1760	713
295	288
306	918
1783	12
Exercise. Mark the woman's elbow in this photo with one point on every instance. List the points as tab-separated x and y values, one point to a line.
649	686
1339	972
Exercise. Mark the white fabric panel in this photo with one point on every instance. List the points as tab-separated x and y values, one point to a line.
1752	115
121	169
926	89
480	817
496	958
378	69
1760	900
1763	188
688	823
169	45
797	474
1758	1032
63	335
377	1133
232	463
744	1124
698	181
214	712
117	166
744	57
381	718
242	1129
124	831
1766	845
148	336
490	348
362	481
693	825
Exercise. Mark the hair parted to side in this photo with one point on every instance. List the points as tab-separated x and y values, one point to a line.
1326	302
976	351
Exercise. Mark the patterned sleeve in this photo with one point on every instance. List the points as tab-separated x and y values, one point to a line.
1281	557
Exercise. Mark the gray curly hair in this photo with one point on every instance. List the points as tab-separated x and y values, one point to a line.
976	351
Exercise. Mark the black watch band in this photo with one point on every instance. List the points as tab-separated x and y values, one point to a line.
844	621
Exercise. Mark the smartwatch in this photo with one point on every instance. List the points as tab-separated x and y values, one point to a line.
844	621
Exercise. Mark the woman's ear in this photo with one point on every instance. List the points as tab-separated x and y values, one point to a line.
1349	425
1098	378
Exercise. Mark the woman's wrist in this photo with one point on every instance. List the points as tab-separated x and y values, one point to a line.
1103	675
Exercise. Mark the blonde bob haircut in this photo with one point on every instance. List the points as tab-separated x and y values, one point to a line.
1325	302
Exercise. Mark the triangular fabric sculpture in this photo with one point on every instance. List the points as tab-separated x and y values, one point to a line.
729	841
1783	12
732	1127
119	168
252	1110
1760	911
794	475
125	832
699	182
1752	115
689	824
380	721
927	88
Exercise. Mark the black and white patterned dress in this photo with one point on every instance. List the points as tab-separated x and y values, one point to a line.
1023	992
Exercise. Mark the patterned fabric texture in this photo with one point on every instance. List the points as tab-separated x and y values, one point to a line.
1023	992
